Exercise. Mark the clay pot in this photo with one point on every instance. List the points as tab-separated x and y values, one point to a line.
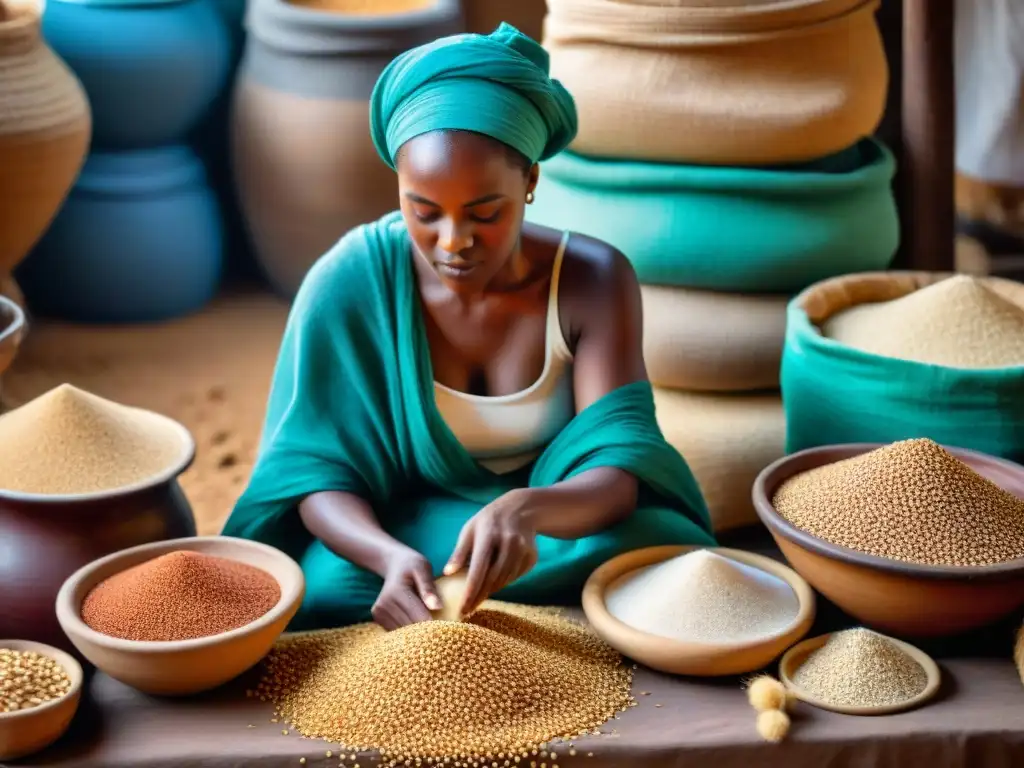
46	539
152	68
45	126
305	166
143	218
484	16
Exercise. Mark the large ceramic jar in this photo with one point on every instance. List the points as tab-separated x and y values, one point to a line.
139	240
152	68
304	162
724	83
44	539
484	16
44	135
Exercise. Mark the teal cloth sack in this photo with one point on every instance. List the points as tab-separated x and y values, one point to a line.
833	393
351	408
771	230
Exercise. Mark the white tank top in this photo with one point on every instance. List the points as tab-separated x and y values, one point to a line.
507	432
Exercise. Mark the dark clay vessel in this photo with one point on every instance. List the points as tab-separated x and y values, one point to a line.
44	540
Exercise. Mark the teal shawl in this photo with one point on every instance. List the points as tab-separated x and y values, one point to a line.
351	408
496	84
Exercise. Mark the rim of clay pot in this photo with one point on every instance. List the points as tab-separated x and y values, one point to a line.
290	593
877	166
780	470
295	28
140	172
171	473
17	322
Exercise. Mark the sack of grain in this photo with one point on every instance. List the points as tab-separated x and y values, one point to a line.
727	439
880	357
755	230
739	84
712	342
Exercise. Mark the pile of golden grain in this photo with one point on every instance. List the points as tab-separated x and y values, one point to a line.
490	691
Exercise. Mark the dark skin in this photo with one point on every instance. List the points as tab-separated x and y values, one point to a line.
463	197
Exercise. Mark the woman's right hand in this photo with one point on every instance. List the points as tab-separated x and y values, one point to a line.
408	595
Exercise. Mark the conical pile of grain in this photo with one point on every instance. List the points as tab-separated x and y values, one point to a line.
860	668
958	322
911	501
68	441
493	688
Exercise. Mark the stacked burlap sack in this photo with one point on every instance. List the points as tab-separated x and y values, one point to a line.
723	147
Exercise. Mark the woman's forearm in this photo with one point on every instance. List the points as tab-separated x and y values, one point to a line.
583	505
347	526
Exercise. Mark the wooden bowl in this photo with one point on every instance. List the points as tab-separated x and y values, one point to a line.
52	535
29	731
798	654
688	658
891	596
179	668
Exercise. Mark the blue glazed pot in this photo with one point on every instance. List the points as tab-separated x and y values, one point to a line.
152	68
138	240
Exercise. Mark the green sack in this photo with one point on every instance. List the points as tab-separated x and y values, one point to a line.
768	230
833	393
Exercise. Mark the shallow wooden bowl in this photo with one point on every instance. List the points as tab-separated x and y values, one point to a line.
29	731
686	658
178	668
887	595
798	654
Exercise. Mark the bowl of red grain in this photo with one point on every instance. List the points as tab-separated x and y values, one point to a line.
182	616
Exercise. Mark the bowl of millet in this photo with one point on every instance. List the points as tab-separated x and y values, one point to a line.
180	617
911	538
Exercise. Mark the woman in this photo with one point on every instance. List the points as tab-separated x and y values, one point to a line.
456	390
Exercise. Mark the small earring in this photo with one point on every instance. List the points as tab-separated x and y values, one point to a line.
529	198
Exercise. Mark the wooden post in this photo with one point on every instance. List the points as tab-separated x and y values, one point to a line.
928	126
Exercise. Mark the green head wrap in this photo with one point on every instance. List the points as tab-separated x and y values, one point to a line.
497	84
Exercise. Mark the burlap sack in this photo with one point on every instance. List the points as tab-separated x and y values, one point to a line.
712	342
727	440
751	84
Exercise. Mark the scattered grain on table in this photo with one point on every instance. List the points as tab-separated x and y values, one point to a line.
499	685
68	441
958	322
180	596
29	679
911	501
860	668
702	596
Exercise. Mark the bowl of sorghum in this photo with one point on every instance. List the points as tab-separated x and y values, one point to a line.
180	617
911	538
40	687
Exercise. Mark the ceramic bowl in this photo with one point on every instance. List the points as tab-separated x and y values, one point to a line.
179	668
798	654
12	327
688	658
50	536
890	596
28	731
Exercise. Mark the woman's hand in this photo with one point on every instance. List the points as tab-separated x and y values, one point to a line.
499	544
408	595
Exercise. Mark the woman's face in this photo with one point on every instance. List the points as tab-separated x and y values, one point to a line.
463	201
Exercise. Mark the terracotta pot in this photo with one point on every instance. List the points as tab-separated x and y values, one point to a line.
304	163
44	540
484	16
45	127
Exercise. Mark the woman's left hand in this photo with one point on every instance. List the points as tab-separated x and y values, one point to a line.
499	544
